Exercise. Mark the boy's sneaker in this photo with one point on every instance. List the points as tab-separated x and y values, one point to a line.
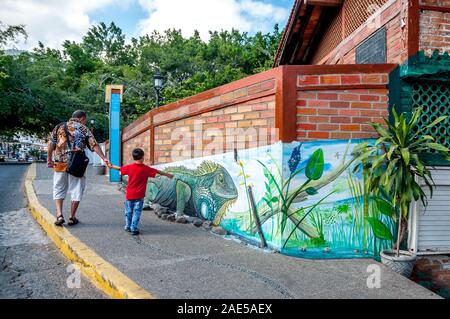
128	229
135	232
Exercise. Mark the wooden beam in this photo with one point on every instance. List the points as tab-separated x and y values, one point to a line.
434	8
285	104
325	3
413	27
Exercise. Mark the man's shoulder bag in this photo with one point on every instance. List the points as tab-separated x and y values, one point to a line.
78	161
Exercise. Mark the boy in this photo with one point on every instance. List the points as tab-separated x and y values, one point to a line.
138	174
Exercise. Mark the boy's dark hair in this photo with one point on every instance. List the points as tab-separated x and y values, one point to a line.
78	114
137	154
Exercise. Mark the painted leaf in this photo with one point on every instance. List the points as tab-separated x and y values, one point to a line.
384	207
315	166
311	191
274	199
267	187
267	202
380	230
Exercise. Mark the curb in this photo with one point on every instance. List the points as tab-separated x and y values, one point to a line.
16	163
101	273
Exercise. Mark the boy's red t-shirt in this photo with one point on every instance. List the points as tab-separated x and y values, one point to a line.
138	175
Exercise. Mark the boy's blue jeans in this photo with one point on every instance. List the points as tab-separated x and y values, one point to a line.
133	210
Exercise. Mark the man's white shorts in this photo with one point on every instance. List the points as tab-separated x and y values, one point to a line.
63	182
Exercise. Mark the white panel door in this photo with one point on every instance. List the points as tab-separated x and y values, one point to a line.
433	222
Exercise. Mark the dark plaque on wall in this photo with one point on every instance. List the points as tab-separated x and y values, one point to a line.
372	50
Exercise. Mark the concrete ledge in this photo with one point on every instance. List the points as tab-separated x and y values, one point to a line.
102	274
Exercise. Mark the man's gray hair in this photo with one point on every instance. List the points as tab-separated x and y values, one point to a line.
78	114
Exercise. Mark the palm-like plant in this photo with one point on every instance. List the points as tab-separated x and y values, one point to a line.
396	160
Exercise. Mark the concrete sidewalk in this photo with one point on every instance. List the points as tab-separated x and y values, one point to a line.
173	260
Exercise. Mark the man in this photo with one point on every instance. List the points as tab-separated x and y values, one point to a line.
80	138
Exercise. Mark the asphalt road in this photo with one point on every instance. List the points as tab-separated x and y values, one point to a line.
31	266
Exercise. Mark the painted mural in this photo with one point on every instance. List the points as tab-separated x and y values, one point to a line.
205	192
309	200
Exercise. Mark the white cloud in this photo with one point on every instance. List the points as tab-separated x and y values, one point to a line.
205	15
53	21
50	21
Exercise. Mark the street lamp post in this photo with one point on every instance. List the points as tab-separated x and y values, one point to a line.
158	84
92	125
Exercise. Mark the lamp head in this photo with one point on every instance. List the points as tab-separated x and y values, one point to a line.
158	80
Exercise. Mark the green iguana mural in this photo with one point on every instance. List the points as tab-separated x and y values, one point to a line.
205	192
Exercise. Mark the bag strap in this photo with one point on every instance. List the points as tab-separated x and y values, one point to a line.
66	131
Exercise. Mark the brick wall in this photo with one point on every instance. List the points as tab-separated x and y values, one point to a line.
435	26
285	103
339	106
433	272
390	15
227	112
142	141
227	125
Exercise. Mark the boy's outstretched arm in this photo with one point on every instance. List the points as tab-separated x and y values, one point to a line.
114	166
164	174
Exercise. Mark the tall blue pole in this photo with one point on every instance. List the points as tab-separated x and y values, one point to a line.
114	134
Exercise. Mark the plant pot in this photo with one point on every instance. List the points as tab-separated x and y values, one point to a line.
99	169
403	264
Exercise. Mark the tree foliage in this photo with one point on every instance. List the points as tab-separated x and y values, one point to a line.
41	88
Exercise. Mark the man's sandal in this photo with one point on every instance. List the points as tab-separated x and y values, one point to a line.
59	221
72	221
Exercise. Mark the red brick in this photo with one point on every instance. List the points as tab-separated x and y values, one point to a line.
300	103
370	113
366	128
350	127
240	93
326	111
267	114
193	108
380	106
211	119
328	127
372	79
318	119
360	120
378	120
339	119
306	110
330	79
301	134
308	80
362	135
341	135
319	135
317	103
349	112
226	97
267	85
350	79
374	98
340	104
306	95
307	127
361	105
256	88
348	97
224	118
327	96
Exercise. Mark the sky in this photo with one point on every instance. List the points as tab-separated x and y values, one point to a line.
53	21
